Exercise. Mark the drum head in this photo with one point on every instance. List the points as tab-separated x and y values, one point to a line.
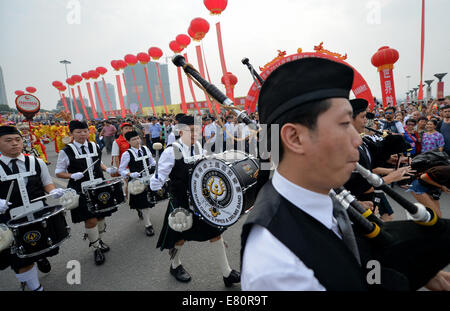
231	156
216	192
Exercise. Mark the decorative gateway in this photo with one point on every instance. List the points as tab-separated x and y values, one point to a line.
223	187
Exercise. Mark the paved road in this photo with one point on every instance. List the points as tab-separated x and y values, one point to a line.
134	263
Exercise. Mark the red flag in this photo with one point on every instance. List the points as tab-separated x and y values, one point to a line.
422	46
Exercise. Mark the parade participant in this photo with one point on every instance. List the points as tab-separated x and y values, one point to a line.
72	161
13	161
131	165
174	164
35	136
92	132
155	132
174	135
359	187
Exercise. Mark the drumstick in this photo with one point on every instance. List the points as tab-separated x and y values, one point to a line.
157	147
90	166
46	196
10	191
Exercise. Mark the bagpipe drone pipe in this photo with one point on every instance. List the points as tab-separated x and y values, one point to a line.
413	250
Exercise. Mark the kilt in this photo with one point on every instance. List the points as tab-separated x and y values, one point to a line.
140	201
7	259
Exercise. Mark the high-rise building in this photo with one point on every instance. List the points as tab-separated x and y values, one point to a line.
3	99
112	96
155	88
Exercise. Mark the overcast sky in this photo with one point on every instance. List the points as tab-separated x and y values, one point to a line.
36	34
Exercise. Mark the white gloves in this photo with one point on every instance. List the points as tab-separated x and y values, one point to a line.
111	170
156	184
57	193
3	206
6	237
180	220
135	175
77	176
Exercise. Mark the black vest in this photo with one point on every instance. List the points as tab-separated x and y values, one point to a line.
79	165
315	245
180	179
34	186
137	166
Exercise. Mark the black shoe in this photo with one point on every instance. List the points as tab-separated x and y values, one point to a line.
99	257
103	247
141	217
44	265
149	231
180	274
234	277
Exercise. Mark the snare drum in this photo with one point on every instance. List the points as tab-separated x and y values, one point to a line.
46	232
223	187
105	196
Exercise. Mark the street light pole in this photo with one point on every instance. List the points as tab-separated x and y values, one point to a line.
66	62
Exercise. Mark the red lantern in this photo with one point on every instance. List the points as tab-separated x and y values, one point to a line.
175	47
198	29
93	74
85	75
155	53
122	64
215	7
62	88
385	56
30	89
231	78
101	70
143	58
70	81
131	59
56	84
183	40
77	78
114	64
18	92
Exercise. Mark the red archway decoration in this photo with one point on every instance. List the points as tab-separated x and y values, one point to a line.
360	87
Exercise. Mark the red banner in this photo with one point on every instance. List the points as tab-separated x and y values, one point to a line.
422	45
148	89
162	91
82	103
63	98
387	87
91	99
192	89
440	90
222	56
100	101
107	95
74	100
183	98
202	73
119	90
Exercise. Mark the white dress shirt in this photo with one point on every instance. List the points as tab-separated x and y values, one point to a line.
115	152
171	139
123	168
63	160
167	162
267	263
45	175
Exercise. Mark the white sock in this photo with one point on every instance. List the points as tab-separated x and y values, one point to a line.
101	225
176	260
146	214
218	251
93	236
30	278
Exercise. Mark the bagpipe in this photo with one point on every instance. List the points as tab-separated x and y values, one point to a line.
414	249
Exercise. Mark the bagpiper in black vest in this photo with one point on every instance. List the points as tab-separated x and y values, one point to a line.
34	186
79	165
316	246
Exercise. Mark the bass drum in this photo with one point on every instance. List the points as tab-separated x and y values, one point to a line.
223	187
